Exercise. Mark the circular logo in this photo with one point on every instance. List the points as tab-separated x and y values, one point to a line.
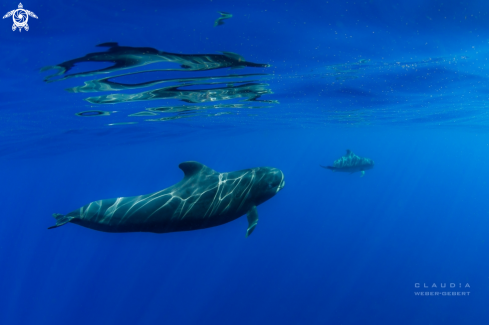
20	18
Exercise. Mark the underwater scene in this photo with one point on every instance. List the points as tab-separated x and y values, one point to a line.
244	162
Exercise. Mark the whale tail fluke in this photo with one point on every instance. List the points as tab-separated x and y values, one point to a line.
61	219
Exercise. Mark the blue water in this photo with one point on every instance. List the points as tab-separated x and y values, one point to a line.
402	83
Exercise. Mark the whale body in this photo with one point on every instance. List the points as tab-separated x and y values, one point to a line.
351	163
203	198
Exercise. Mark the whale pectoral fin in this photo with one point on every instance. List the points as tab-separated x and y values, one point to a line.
252	220
362	173
60	220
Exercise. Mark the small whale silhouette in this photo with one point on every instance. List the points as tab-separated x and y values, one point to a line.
351	163
220	21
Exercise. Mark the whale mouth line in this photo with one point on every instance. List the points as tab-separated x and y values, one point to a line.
281	185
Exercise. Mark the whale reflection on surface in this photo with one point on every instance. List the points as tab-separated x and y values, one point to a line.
247	92
248	87
109	83
188	108
125	57
187	111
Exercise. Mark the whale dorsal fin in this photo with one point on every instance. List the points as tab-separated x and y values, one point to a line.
109	44
191	168
233	56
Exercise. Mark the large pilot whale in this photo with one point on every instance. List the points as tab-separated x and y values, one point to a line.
203	198
351	163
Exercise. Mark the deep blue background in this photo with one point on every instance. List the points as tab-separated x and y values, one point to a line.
330	248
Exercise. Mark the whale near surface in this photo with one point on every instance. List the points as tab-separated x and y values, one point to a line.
203	198
351	163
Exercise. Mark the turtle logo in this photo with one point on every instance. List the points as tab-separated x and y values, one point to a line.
20	17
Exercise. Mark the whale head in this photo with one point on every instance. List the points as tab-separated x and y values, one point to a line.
269	181
367	163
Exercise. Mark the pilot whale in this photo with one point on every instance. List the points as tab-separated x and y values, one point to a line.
351	163
203	198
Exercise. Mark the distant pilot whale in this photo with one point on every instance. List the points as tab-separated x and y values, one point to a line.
351	163
203	198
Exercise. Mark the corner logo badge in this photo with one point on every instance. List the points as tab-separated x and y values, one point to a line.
20	17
